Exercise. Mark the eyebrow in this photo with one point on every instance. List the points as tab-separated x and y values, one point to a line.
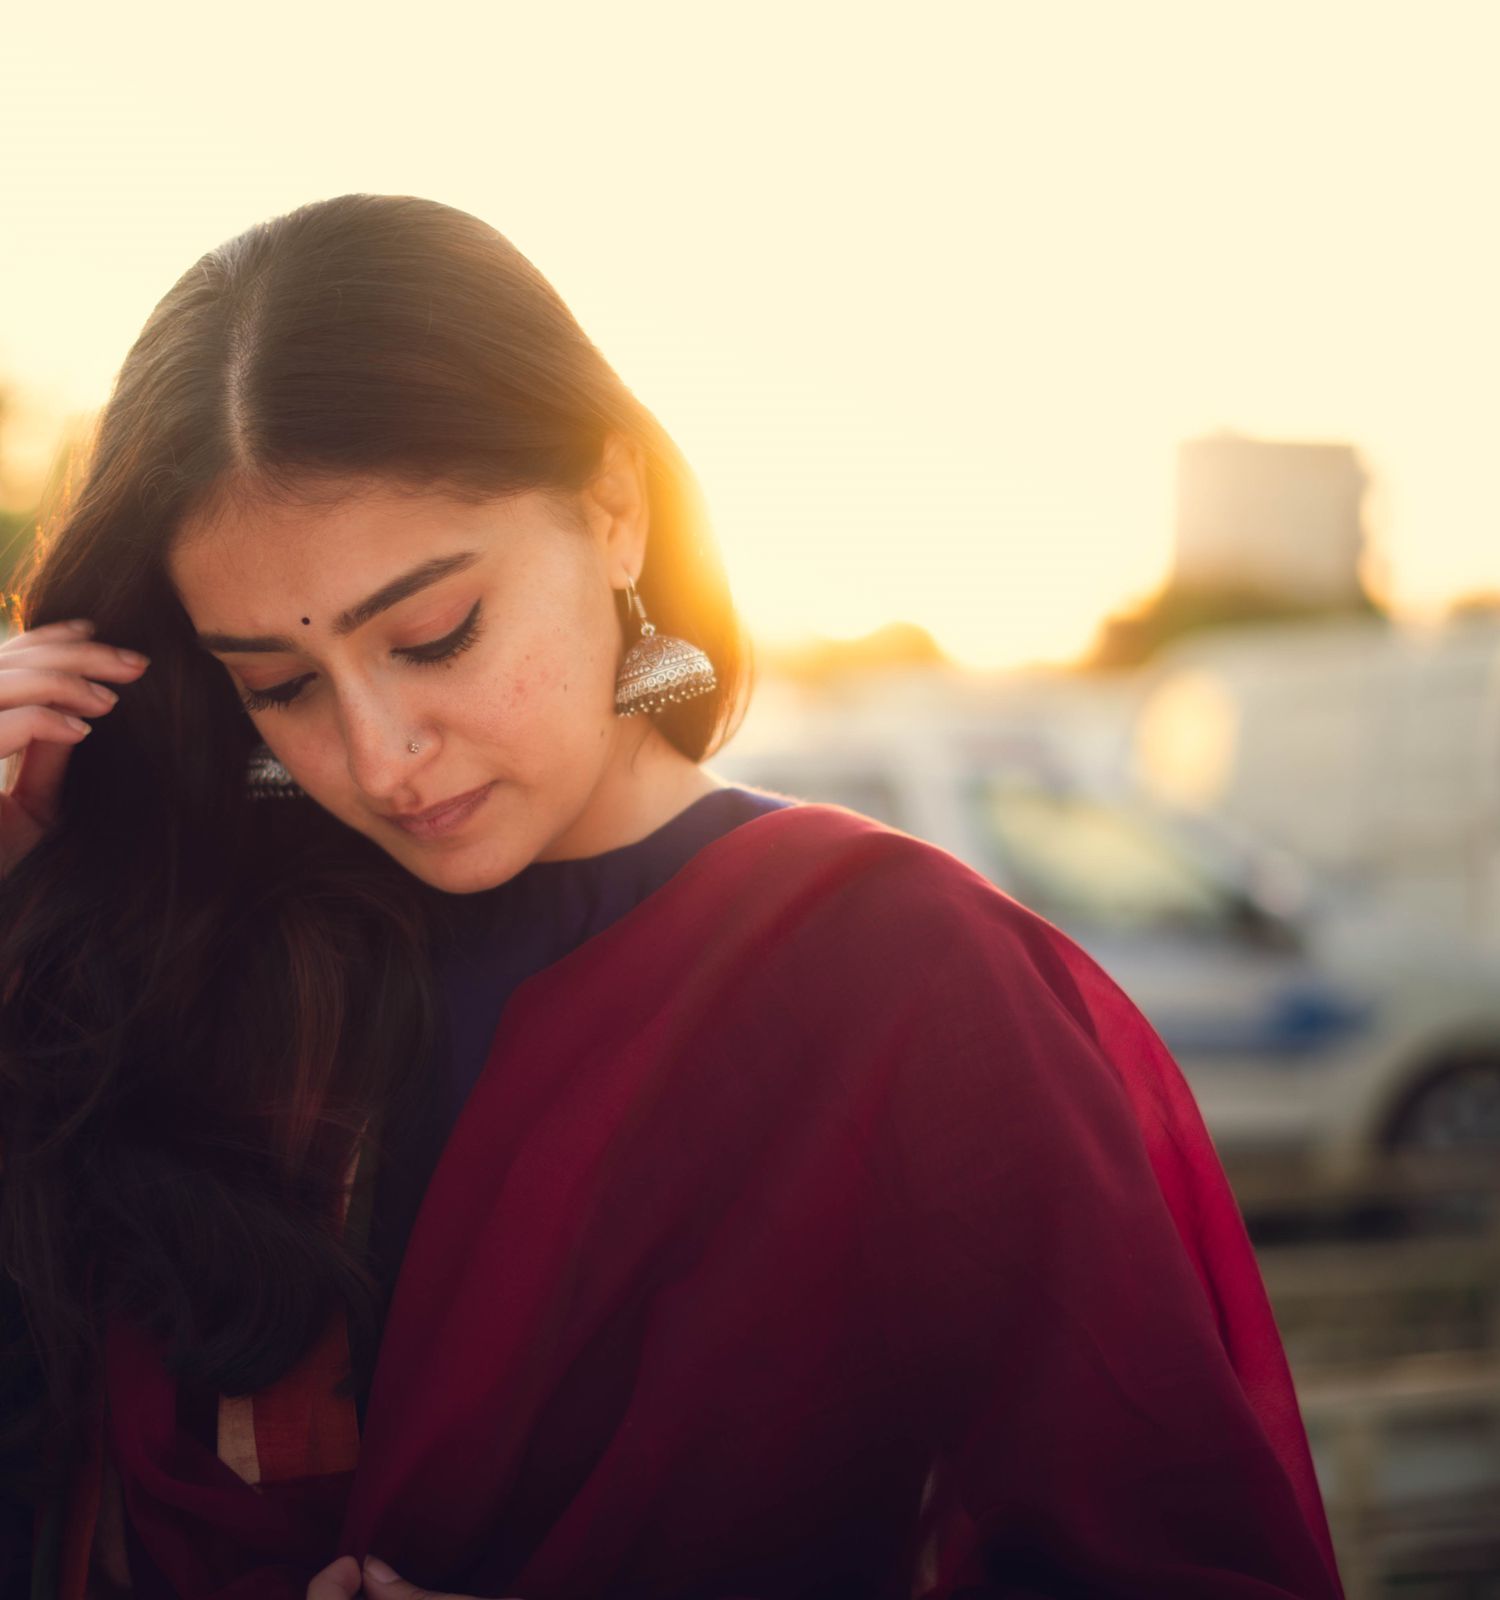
388	595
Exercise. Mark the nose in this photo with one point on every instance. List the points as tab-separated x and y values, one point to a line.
377	740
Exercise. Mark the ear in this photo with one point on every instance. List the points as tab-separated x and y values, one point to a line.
618	510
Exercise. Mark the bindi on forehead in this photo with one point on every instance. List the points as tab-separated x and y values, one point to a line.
420	577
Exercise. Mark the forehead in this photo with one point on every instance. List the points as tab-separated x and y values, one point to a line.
326	542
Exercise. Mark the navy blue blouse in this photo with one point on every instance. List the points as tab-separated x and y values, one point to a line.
493	941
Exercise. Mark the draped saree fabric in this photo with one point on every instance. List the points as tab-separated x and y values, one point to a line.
829	1225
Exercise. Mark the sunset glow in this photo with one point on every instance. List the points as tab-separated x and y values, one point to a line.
927	295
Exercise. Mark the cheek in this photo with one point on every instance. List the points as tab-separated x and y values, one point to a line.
528	705
557	676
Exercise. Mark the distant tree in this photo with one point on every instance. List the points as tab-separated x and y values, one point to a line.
19	521
15	524
16	530
896	644
1481	603
1129	639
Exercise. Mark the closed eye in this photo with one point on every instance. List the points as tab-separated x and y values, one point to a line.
444	649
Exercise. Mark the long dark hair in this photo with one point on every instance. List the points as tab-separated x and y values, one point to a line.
204	997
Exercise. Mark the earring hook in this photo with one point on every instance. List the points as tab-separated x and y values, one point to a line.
647	626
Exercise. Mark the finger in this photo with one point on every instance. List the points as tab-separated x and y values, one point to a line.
20	725
81	657
339	1580
38	784
74	627
383	1584
45	686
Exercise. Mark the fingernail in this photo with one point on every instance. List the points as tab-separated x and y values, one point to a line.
80	625
378	1570
133	658
79	725
102	693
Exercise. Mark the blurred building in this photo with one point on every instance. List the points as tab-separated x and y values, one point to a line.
1281	519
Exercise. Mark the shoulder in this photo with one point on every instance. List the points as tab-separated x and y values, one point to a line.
986	1011
851	915
890	895
840	850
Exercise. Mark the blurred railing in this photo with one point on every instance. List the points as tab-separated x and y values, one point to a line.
1386	1289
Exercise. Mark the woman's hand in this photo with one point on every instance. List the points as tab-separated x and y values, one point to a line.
342	1580
49	682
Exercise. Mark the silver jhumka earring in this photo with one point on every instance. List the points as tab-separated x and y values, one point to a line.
659	670
267	779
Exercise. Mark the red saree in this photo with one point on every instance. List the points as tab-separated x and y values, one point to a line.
830	1225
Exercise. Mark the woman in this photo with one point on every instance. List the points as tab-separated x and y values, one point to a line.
445	1125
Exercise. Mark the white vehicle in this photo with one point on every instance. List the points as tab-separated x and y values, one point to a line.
1312	1030
1394	729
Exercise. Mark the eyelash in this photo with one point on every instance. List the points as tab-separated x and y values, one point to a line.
425	655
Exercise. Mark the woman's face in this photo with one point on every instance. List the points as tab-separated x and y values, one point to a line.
378	616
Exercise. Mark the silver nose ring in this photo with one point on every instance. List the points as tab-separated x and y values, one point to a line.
413	746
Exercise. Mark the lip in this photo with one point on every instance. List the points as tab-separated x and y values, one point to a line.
445	817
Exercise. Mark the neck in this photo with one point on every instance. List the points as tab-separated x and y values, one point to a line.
648	782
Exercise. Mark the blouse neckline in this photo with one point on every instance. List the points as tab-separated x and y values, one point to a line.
649	843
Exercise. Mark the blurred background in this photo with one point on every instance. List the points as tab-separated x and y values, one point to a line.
1098	407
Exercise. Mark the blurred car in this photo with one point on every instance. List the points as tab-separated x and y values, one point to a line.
1314	1030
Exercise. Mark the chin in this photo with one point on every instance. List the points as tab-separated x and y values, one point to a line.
482	865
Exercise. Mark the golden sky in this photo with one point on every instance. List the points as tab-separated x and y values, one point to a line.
927	293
